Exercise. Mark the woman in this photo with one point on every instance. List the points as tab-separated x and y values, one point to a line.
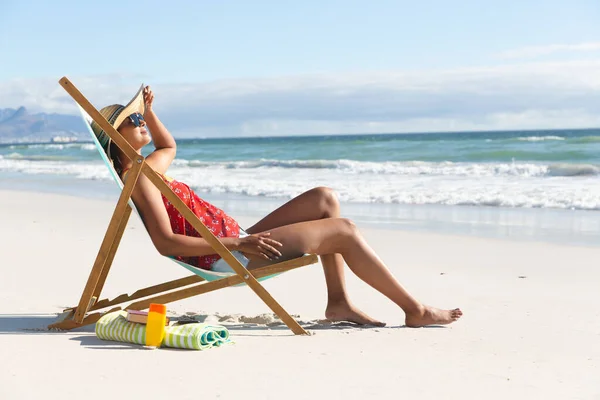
310	223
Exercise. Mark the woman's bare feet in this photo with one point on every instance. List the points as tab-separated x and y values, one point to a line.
432	316
345	312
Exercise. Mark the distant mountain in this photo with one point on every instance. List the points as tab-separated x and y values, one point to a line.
18	125
6	113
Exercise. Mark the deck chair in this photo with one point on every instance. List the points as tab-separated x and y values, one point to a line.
90	308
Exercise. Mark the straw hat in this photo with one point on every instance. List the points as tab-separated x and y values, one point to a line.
115	114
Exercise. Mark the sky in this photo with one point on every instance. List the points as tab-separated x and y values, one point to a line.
241	68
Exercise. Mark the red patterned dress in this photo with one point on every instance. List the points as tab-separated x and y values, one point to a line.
215	219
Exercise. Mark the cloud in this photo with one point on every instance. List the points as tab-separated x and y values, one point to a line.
536	51
531	95
46	95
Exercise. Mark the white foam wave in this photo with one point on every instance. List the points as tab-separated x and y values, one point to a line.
38	157
499	191
406	168
501	185
55	146
88	147
539	138
83	170
572	170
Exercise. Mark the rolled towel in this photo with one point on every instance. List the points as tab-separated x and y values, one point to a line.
197	336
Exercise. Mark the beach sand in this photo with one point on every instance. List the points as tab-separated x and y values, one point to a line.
531	324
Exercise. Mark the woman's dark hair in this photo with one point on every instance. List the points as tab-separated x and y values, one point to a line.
116	160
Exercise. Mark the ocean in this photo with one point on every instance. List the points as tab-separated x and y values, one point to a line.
535	185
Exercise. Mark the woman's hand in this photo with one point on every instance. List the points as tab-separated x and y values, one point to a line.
165	147
148	98
259	247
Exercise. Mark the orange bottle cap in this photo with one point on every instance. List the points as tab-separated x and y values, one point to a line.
159	308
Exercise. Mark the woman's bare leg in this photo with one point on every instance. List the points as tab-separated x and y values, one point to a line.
339	235
315	204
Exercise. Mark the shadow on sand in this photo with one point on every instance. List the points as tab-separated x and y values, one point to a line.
31	324
36	324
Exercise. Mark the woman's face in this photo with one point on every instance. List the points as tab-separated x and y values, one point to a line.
136	136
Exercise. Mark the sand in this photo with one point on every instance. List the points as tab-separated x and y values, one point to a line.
531	327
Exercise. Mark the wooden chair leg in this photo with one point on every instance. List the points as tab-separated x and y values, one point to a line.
108	243
68	323
111	253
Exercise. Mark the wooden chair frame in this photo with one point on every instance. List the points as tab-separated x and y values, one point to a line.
165	292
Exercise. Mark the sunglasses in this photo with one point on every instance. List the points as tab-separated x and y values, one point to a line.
136	119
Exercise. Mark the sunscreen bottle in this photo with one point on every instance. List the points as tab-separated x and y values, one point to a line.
155	327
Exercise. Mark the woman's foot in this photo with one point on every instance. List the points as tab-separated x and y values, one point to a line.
345	312
432	316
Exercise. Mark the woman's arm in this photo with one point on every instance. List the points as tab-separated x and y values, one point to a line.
166	148
149	203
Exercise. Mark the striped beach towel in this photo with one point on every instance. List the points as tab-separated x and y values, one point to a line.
196	336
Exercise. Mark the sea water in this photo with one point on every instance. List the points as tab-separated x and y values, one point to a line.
537	185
